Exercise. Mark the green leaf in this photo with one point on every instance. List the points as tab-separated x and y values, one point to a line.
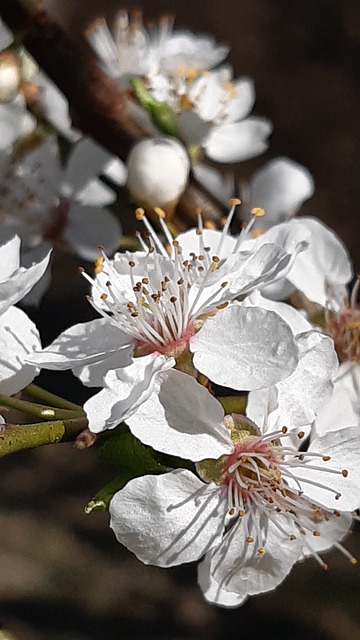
122	449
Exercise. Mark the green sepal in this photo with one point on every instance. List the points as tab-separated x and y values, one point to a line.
161	113
101	500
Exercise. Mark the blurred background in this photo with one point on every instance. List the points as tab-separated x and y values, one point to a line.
63	576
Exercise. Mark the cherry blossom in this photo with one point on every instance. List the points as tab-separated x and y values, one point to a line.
256	511
130	50
42	202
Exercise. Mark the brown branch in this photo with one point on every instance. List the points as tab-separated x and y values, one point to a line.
98	106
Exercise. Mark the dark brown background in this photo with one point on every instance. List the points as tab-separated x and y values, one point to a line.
63	576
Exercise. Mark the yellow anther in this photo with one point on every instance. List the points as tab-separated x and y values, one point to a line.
249	539
353	560
258	212
139	213
159	212
103	296
257	233
261	551
234	201
209	224
230	88
99	263
185	102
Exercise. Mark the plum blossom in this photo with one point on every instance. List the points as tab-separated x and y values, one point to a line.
163	309
42	201
342	409
256	511
213	114
18	334
280	187
321	272
130	50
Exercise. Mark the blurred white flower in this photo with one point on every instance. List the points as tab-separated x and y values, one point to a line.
280	187
158	170
213	114
15	123
18	334
128	49
41	201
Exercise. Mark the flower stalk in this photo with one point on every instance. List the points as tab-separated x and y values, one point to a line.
15	438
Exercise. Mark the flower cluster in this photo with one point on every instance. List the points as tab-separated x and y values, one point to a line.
215	354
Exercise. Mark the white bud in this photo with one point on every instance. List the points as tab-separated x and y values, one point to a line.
158	170
9	76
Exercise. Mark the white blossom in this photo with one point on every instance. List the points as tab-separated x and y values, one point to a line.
161	310
158	170
255	511
42	201
18	334
130	50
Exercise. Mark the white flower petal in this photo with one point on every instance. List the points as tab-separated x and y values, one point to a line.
182	418
18	337
332	530
86	161
20	283
85	343
323	265
220	186
280	187
245	348
238	141
88	227
304	391
95	193
295	319
236	564
342	409
126	389
10	258
211	589
174	517
343	447
240	104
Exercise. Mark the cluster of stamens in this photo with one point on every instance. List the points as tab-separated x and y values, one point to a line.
257	477
344	327
169	300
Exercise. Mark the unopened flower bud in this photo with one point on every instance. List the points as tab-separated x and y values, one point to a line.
158	170
9	76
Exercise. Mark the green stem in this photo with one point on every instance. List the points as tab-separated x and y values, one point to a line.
50	398
17	437
39	410
233	404
101	501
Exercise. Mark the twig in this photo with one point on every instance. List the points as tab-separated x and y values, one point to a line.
15	438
